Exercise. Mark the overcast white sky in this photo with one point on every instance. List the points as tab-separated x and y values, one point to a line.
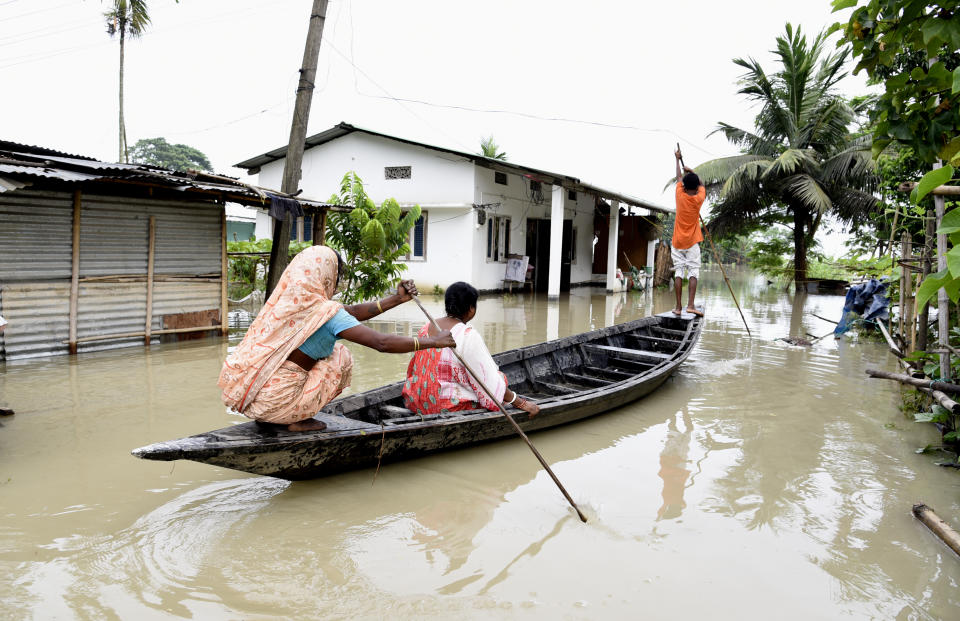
220	75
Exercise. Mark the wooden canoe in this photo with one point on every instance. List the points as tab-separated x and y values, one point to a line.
570	378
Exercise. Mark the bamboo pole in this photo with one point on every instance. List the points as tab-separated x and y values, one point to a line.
503	411
224	277
130	335
928	242
940	190
939	528
913	316
915	381
942	399
75	273
901	318
151	237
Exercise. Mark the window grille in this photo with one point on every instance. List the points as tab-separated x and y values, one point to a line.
397	172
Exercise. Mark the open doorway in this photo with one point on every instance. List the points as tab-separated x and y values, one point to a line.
538	249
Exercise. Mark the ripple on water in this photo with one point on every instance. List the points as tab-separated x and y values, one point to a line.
156	558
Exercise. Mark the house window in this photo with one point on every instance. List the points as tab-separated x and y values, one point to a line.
498	238
572	195
418	239
500	177
397	172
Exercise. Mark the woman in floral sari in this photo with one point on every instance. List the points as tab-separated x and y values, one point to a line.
289	365
438	382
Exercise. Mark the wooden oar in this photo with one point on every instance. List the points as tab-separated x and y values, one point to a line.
503	411
716	255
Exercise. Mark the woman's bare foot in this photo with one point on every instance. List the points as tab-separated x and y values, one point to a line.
529	406
694	311
677	311
309	424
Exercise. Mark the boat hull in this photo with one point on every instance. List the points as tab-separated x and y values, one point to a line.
365	429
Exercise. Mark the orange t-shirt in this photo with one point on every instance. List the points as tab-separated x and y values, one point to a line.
686	226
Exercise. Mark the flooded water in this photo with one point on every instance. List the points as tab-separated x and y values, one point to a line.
762	481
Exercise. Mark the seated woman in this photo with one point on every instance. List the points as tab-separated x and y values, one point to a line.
289	365
438	382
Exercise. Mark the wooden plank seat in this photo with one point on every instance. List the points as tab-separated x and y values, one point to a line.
680	333
586	379
393	411
610	373
416	418
629	354
557	389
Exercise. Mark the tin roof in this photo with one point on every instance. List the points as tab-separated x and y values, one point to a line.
253	165
27	165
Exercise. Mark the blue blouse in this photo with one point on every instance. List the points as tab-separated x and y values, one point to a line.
320	344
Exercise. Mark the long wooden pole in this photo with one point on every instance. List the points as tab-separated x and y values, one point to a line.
151	236
224	275
279	252
716	255
75	273
503	411
915	381
939	528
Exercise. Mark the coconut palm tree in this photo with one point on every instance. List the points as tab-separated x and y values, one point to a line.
489	148
801	161
126	18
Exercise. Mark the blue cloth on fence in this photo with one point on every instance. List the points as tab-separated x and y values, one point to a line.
281	206
867	301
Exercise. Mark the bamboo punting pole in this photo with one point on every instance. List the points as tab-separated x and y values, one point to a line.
915	381
224	277
151	236
75	273
939	528
940	190
503	411
716	255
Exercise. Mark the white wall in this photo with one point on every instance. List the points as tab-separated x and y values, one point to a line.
445	186
517	202
436	178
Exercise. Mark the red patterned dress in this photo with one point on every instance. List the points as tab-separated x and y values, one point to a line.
437	382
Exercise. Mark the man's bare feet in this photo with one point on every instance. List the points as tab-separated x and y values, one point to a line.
309	424
694	311
677	312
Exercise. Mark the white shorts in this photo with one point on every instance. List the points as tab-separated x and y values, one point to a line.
686	262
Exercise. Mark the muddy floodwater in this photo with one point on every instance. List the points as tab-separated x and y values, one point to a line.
763	481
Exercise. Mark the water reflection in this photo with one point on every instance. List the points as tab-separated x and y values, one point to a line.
758	464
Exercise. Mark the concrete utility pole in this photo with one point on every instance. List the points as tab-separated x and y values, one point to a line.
279	253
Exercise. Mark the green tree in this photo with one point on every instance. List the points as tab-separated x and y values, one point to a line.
128	18
490	148
801	161
372	239
911	46
159	152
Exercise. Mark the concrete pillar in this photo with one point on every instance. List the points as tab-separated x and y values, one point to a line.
612	238
553	320
556	241
651	254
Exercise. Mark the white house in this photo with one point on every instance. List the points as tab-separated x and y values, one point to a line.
476	210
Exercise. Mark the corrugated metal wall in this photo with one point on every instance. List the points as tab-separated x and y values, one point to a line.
35	235
35	267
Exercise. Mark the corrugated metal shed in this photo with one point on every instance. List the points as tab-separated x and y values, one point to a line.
38	192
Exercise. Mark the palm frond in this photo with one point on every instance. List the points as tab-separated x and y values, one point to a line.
717	171
791	161
853	166
808	191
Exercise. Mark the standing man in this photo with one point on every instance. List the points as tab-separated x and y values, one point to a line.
687	235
